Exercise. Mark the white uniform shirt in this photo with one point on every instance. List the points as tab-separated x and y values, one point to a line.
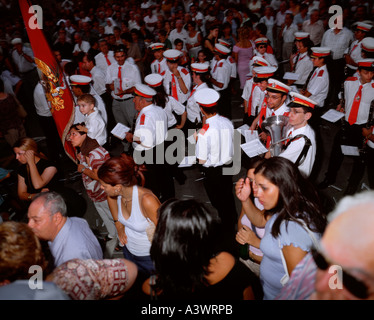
186	76
232	63
98	77
215	141
257	98
221	72
130	77
318	85
351	86
150	127
84	46
304	66
101	60
282	111
177	107
41	104
293	151
159	67
355	52
269	57
22	64
96	127
193	108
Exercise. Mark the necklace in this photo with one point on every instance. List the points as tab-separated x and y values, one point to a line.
126	201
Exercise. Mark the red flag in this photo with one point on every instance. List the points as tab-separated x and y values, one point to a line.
59	95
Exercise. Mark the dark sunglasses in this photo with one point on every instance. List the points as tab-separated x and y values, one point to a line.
353	285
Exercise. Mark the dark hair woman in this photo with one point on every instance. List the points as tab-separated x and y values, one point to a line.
292	215
190	259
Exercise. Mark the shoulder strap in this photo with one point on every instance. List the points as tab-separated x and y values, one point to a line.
301	158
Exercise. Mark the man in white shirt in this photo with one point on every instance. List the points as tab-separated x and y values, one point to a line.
148	141
68	238
80	44
178	33
301	146
358	94
338	40
288	36
353	53
23	58
121	78
221	76
314	26
106	57
214	151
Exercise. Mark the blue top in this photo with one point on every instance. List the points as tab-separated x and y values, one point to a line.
271	267
75	241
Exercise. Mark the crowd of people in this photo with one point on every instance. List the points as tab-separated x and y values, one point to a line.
166	72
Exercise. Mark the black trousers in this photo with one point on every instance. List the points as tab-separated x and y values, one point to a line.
158	176
219	188
350	135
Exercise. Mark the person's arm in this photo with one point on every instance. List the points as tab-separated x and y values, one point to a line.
22	190
243	191
183	120
150	205
39	180
292	255
113	207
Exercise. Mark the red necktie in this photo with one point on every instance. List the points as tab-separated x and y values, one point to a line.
107	60
355	105
289	135
174	92
120	80
159	69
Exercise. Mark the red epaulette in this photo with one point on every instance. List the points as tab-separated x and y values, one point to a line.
286	114
142	119
351	79
220	64
154	61
204	129
185	71
320	73
231	59
372	85
162	73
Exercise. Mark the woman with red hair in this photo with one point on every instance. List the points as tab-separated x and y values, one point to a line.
133	207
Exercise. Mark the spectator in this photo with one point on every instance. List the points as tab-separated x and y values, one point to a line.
11	119
314	26
91	156
20	249
292	215
186	238
243	53
178	33
106	279
134	209
80	44
288	37
68	238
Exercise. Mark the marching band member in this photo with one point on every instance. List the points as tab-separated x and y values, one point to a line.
297	148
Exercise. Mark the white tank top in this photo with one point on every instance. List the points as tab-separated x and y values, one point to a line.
135	227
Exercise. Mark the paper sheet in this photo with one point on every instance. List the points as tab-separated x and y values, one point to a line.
332	115
191	139
350	150
120	130
187	161
250	135
242	129
291	76
253	148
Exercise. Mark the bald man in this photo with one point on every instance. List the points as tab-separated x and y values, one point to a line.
342	268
